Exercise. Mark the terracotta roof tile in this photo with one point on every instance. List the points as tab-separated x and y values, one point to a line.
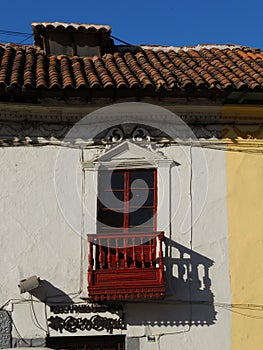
78	72
191	68
102	72
76	26
53	72
166	69
142	77
29	69
195	63
91	75
153	73
166	77
171	77
125	71
6	65
66	73
114	71
41	71
16	78
179	70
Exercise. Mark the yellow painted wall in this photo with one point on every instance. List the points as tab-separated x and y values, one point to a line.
245	221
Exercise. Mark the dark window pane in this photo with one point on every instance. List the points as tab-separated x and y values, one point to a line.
147	177
109	218
112	199
113	187
140	198
119	195
117	180
111	180
143	216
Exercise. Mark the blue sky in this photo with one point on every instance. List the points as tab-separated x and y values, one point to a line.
167	22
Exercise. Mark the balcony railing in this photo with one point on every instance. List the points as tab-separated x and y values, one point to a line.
125	266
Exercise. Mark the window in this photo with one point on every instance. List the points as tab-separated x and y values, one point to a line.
115	174
125	186
127	201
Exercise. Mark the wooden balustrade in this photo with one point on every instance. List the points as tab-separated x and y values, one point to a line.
125	266
121	251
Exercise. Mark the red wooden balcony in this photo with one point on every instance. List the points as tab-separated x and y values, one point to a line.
126	266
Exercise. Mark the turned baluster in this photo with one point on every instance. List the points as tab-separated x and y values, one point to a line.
142	252
117	254
133	253
91	262
161	267
125	252
108	256
151	254
161	237
100	255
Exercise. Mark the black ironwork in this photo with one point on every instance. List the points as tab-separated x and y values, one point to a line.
85	308
96	322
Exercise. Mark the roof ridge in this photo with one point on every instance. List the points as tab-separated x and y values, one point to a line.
154	47
199	47
16	46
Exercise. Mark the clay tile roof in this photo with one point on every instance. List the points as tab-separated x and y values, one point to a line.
76	26
158	68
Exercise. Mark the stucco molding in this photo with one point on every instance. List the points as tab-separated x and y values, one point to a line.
27	133
69	112
132	156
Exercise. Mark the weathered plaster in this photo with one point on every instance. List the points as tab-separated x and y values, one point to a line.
5	329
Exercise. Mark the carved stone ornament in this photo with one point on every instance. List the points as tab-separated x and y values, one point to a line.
141	134
128	131
114	135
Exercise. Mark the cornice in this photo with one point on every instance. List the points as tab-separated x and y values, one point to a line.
190	113
27	124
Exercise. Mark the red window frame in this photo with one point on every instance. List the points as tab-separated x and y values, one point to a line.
126	227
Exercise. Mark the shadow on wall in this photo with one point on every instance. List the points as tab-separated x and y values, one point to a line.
50	295
189	299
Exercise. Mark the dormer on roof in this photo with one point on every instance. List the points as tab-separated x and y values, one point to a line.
72	39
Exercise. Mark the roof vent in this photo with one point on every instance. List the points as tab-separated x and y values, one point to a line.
72	39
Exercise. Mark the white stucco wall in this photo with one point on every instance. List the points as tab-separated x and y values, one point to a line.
36	238
208	241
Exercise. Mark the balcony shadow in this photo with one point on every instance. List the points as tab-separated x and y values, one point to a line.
50	295
189	299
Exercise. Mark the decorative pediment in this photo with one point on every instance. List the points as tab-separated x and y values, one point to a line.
129	150
129	154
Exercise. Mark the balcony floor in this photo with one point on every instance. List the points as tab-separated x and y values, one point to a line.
127	284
